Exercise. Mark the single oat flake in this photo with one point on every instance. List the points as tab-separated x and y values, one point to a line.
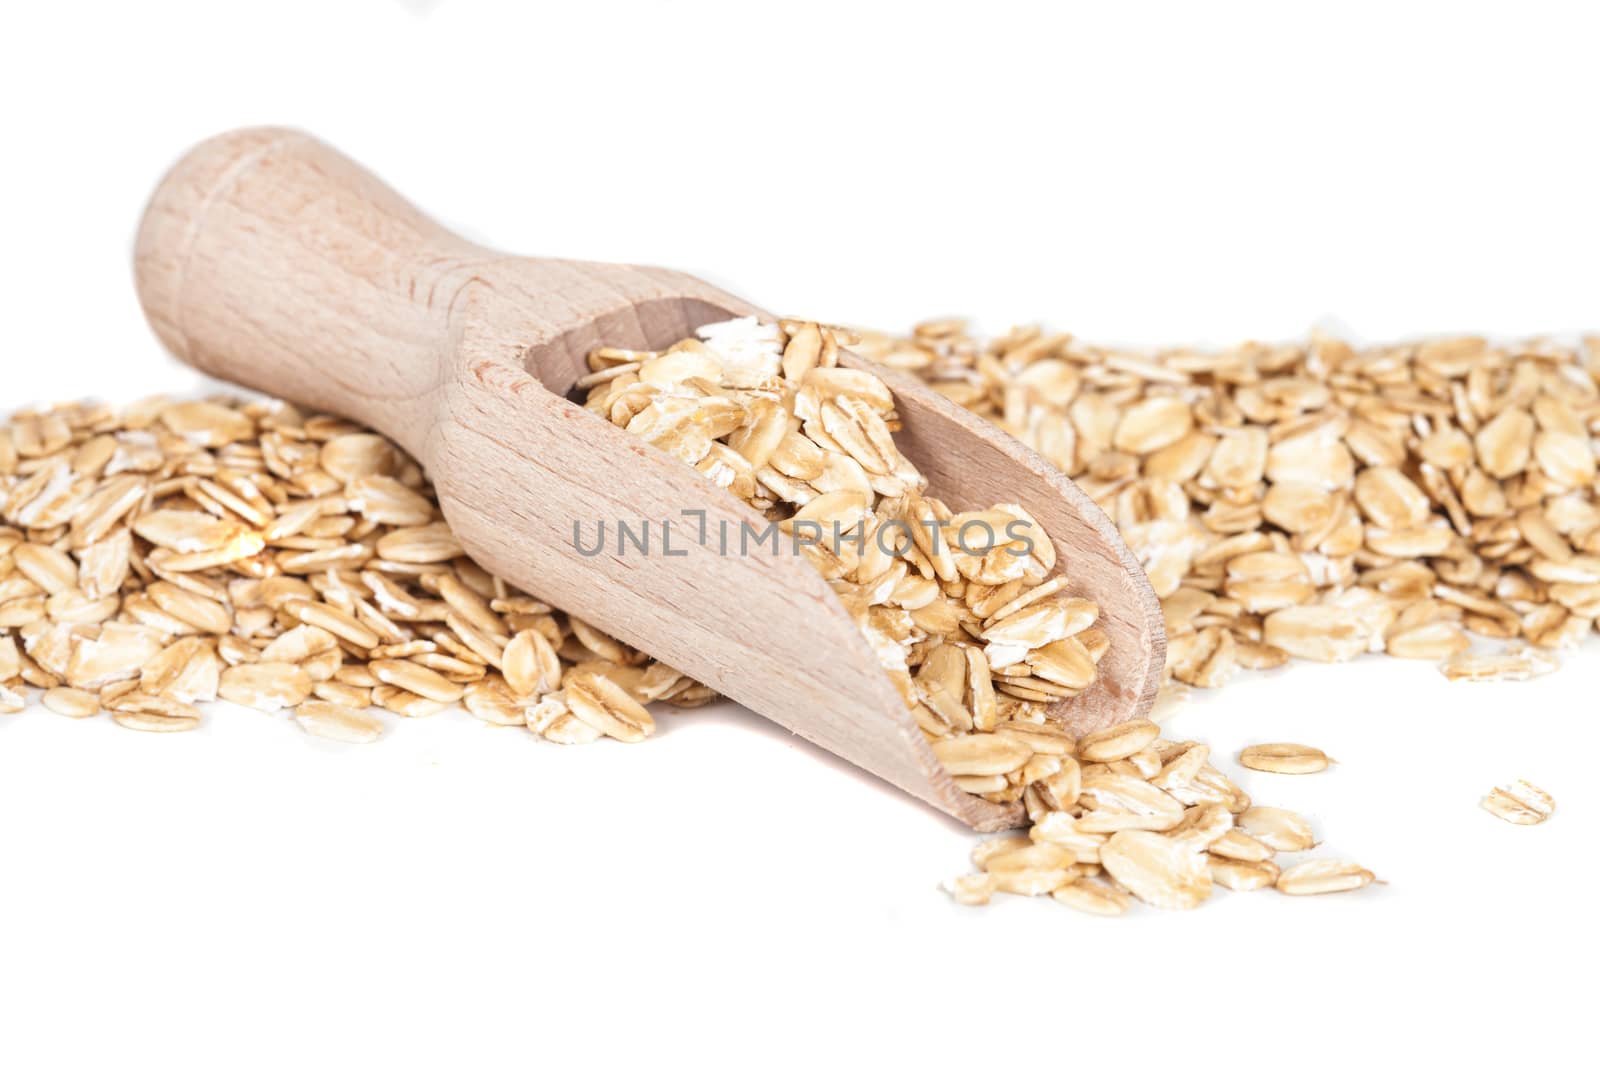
1284	758
1523	803
1319	877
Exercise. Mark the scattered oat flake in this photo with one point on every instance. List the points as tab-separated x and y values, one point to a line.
1515	666
1522	803
336	722
1284	758
1316	877
1160	871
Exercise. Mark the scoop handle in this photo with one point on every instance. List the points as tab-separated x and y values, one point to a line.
269	259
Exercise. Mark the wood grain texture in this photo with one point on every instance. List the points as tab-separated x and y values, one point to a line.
271	260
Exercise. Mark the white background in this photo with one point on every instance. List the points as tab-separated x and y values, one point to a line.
1149	173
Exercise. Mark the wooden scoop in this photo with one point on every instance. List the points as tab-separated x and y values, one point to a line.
269	259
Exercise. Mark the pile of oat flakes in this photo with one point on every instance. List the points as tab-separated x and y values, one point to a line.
979	646
1319	500
172	553
1314	501
978	637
